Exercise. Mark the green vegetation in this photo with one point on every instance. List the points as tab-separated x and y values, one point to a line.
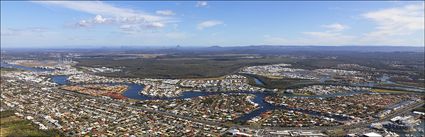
12	126
208	101
209	64
9	69
420	109
336	133
251	80
389	91
179	66
411	83
5	114
283	82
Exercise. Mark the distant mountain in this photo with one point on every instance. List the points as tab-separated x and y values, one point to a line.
273	49
339	48
253	49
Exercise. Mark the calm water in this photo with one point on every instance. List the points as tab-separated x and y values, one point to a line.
60	79
133	92
263	107
6	65
259	82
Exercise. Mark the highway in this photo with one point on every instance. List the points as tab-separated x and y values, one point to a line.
357	125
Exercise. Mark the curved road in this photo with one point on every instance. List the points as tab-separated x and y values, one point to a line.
357	125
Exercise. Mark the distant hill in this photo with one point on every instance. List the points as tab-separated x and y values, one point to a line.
335	48
272	49
269	49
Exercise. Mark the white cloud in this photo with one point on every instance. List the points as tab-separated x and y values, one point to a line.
176	35
101	8
165	12
148	37
397	21
396	26
33	31
312	38
321	34
401	26
209	24
335	27
201	4
155	25
330	38
106	13
83	23
127	27
99	19
275	40
133	28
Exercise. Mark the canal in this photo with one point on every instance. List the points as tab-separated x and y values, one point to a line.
133	92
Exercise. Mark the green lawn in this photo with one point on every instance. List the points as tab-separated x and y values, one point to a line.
12	126
389	91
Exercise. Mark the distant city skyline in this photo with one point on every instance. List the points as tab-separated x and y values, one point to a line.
30	24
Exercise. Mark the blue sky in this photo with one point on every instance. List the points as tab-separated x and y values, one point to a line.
206	23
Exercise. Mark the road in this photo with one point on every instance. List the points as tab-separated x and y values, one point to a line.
357	125
364	124
147	109
233	125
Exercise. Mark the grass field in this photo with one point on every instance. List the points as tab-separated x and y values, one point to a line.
12	126
389	91
9	69
283	83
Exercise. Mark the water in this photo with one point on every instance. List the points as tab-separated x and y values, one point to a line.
6	65
263	107
60	79
323	79
133	92
258	82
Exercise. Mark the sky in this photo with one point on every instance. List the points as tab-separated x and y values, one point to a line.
207	23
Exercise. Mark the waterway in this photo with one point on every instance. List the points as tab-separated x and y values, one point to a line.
60	79
133	92
259	82
7	65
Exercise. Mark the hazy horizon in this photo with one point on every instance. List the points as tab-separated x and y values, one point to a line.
190	46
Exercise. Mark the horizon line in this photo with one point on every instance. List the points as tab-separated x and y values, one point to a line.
191	46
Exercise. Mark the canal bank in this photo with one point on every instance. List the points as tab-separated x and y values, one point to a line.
133	92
